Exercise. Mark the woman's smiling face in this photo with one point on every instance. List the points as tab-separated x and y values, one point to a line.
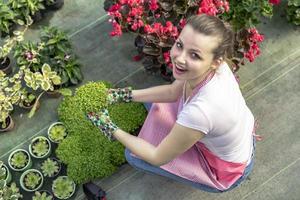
192	55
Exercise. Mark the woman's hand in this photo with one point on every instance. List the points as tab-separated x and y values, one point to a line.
119	95
103	122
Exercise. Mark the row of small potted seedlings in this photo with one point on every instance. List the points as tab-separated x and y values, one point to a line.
32	179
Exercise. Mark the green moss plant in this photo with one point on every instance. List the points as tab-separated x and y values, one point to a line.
87	153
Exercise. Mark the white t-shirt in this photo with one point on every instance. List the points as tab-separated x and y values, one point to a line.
219	110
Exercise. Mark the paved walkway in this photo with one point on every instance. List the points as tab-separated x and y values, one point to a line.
271	86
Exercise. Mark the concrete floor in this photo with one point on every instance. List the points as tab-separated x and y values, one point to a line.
270	85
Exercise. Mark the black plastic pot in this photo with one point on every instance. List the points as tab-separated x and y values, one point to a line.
5	65
56	5
37	16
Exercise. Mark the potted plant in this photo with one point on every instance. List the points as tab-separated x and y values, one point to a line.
28	54
63	187
54	4
9	43
6	19
42	195
57	53
57	132
40	147
9	96
27	10
9	192
293	12
44	80
4	173
56	41
28	99
31	180
19	160
51	167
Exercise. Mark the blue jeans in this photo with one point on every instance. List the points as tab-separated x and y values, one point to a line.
148	168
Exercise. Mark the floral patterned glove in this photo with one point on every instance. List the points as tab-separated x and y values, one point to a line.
119	95
104	123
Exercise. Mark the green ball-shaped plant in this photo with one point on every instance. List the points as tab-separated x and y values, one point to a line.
87	152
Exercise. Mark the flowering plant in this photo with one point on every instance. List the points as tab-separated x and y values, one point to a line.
159	22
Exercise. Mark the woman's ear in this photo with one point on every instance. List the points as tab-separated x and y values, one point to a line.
216	63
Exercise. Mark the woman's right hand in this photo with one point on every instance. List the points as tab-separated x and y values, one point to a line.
119	95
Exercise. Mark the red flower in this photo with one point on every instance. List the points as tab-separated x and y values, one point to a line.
117	30
275	2
153	5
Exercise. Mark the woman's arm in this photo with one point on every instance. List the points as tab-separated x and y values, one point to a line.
175	143
163	93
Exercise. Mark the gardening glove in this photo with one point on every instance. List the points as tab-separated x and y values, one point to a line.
119	95
103	122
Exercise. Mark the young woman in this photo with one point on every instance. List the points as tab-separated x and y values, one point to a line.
199	128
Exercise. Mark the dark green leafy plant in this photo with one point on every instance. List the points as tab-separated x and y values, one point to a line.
293	12
56	41
88	153
28	54
7	17
58	52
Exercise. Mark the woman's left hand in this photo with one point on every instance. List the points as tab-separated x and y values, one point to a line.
103	122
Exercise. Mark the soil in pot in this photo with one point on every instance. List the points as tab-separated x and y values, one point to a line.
29	105
37	16
9	125
5	65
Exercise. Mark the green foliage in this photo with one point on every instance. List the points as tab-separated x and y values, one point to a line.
27	54
9	192
91	97
32	180
246	13
57	133
25	9
3	171
40	147
87	152
50	167
122	113
58	53
7	17
56	41
19	159
42	196
63	187
293	12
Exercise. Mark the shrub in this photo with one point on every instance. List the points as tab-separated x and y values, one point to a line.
87	152
293	12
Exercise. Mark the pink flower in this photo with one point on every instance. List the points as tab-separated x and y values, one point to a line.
182	23
153	5
117	30
274	2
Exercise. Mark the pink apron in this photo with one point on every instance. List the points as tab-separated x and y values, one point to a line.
197	164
